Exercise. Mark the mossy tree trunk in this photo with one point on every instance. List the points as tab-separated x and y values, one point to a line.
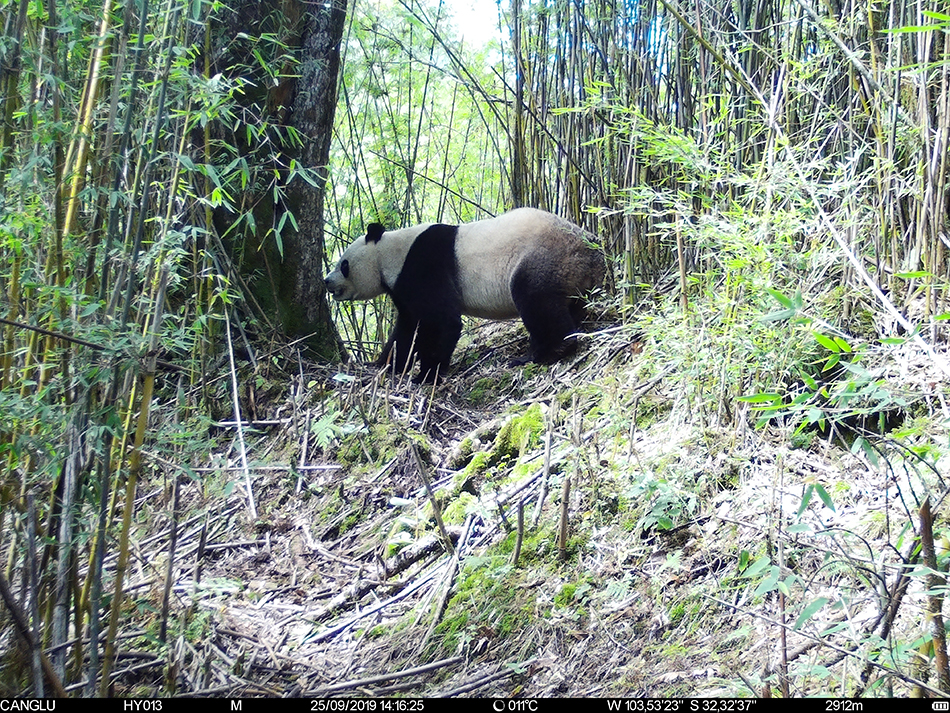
291	82
303	297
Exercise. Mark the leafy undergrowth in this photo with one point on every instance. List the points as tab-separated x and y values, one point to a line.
700	555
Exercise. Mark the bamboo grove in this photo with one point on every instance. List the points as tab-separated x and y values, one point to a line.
642	119
666	127
118	144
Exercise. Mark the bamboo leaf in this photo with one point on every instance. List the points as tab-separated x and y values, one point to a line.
827	342
809	611
779	316
786	302
806	498
756	567
769	583
825	497
766	397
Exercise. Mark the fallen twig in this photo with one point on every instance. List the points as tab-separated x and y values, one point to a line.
484	681
385	677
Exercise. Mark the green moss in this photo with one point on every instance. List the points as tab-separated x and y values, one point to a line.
488	598
378	443
677	613
480	462
350	521
565	596
452	630
457	510
522	470
484	390
519	434
368	445
537	546
466	448
533	369
583	395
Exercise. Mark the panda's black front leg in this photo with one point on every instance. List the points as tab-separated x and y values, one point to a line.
397	351
435	344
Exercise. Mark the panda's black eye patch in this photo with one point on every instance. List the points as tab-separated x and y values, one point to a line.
345	268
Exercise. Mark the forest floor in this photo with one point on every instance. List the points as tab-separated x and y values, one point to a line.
696	559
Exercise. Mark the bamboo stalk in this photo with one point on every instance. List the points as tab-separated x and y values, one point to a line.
248	484
935	584
10	79
135	465
77	157
112	225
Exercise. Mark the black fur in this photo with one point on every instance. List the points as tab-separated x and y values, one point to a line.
374	231
549	313
429	305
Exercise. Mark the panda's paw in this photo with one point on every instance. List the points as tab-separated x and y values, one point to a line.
432	375
556	352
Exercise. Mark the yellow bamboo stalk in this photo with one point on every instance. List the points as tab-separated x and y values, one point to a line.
84	124
87	584
13	295
135	467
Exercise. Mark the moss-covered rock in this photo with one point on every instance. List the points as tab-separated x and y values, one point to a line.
457	510
519	434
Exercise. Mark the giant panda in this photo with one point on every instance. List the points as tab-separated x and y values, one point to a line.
526	263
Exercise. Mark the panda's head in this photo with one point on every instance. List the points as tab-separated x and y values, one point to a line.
358	275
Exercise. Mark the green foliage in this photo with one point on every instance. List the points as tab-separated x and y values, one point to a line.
485	599
112	166
836	390
766	167
328	431
659	500
573	593
459	508
519	434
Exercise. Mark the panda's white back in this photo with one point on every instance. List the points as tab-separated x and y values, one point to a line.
489	252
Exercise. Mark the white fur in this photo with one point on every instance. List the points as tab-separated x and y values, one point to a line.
488	252
374	266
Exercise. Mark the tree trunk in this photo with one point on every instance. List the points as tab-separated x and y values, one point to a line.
285	271
303	298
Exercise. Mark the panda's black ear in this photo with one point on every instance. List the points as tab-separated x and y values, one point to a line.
374	231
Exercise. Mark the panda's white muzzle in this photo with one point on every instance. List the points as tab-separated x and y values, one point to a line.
336	286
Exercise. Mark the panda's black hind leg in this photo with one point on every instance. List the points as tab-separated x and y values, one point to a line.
548	314
578	309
